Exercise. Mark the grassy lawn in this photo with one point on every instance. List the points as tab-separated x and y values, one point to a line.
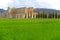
29	29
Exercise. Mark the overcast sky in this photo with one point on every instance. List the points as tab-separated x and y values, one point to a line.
53	4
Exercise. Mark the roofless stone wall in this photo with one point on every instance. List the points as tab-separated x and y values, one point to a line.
20	13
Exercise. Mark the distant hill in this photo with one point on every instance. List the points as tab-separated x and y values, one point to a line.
2	10
46	10
37	10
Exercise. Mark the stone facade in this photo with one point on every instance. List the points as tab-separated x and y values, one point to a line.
20	13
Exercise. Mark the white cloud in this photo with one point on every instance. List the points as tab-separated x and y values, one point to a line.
55	4
4	3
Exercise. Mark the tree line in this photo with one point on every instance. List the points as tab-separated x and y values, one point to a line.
43	14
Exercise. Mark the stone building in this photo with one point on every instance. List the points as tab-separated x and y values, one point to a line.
20	13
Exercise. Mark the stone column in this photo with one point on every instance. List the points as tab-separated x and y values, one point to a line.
10	16
23	15
16	15
35	16
57	15
32	15
26	15
7	15
29	15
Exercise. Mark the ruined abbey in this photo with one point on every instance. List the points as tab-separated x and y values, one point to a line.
20	13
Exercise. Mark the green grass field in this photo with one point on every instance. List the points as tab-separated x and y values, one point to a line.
29	29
